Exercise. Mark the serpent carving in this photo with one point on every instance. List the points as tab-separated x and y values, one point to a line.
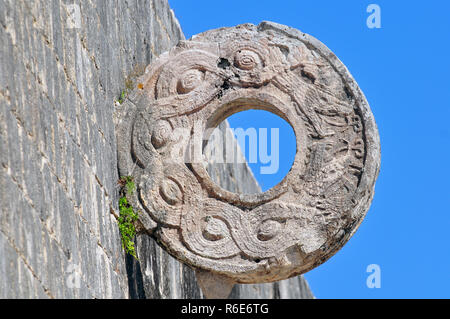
250	238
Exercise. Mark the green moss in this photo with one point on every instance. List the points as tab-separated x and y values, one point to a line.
128	182
126	226
122	96
127	216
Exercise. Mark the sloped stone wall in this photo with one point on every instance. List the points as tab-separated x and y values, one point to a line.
59	77
63	64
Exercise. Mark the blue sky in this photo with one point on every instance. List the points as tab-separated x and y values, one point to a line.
403	69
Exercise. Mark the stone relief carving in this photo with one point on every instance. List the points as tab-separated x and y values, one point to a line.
249	238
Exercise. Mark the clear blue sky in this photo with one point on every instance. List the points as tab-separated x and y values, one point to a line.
404	71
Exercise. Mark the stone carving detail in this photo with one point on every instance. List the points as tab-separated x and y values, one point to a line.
288	229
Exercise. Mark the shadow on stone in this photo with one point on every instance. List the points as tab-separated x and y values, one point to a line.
135	279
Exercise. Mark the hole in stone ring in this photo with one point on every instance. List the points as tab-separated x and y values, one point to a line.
254	146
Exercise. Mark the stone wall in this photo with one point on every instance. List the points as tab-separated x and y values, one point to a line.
62	66
58	172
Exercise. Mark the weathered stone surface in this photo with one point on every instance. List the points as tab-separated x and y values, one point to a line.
58	167
249	238
237	177
159	275
58	163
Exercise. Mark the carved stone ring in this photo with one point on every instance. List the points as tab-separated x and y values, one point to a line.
250	238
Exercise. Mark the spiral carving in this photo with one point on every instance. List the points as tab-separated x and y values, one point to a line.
189	80
288	229
246	60
167	194
206	232
161	134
